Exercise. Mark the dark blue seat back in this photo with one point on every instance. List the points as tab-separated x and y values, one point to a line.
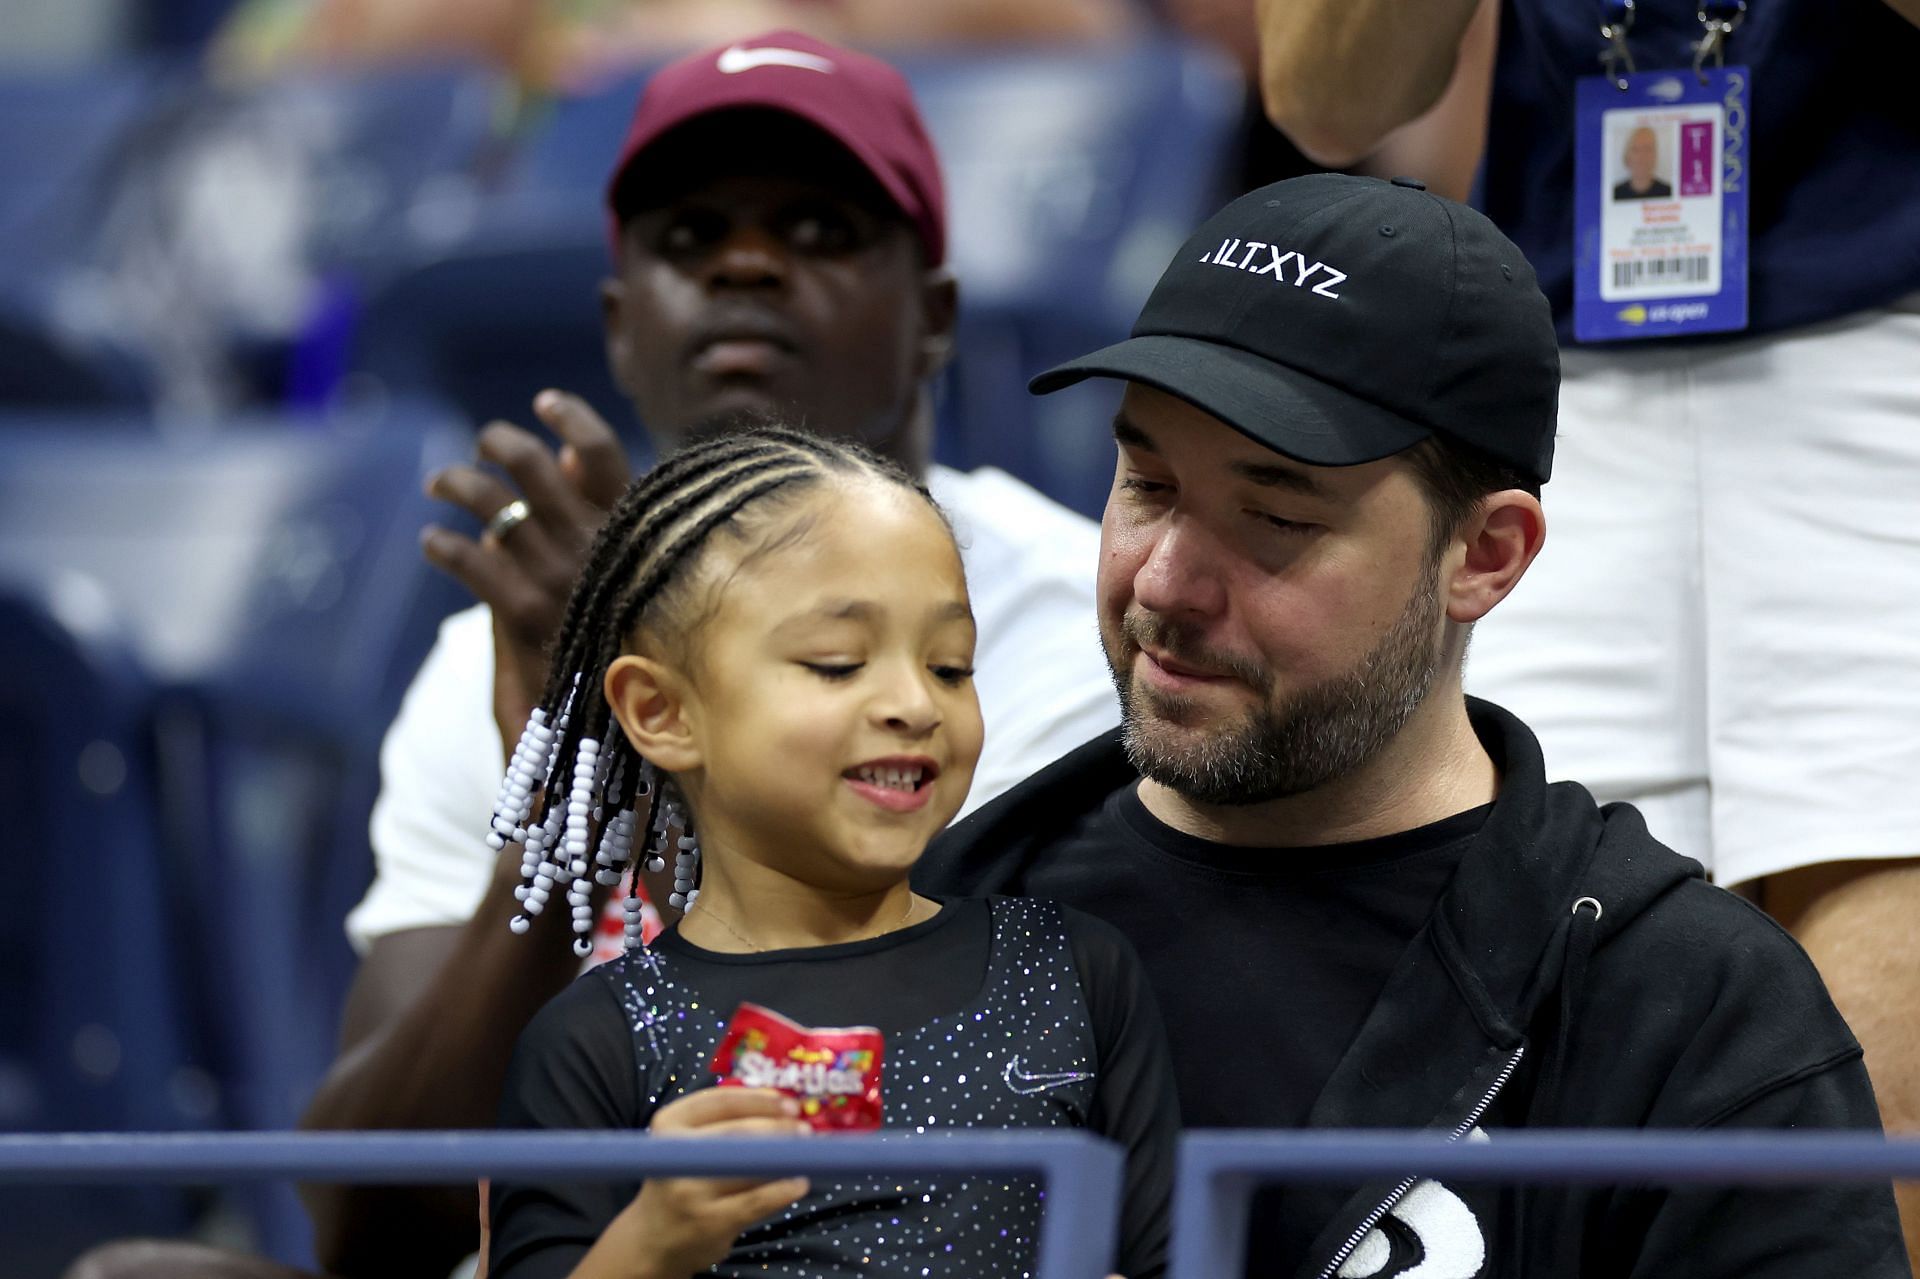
490	324
60	131
269	575
1071	181
265	564
218	231
97	1033
63	134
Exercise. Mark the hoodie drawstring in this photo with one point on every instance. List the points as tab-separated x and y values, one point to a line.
1582	931
1573	980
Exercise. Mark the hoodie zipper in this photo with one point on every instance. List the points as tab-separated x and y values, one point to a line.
1465	1126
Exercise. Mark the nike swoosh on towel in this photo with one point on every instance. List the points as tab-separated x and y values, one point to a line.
1027	1084
734	59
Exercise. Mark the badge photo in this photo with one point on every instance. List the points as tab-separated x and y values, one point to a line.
1660	203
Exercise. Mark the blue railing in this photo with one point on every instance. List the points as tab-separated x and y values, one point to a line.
1081	1173
1218	1171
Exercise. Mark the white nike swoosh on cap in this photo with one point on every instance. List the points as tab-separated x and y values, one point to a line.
735	58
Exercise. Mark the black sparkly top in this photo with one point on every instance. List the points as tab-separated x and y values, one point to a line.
998	1013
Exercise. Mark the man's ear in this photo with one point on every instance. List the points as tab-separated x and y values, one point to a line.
939	312
652	703
613	302
1492	552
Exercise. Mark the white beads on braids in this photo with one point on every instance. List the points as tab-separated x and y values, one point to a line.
616	839
686	866
589	774
556	850
586	767
537	868
635	926
657	837
526	773
616	849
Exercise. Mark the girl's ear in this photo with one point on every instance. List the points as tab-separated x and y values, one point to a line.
651	701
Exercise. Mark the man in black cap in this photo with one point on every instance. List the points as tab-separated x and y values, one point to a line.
1360	901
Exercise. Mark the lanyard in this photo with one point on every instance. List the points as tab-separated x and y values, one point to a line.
1718	20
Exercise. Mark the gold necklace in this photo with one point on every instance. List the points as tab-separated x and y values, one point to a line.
755	947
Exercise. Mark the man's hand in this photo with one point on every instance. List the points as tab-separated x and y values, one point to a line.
678	1227
526	573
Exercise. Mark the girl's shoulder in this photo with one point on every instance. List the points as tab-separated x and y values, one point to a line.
1077	925
1101	953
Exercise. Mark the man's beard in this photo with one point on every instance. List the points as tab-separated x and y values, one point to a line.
1315	736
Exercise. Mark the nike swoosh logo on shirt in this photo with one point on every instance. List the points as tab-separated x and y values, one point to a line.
1027	1084
734	59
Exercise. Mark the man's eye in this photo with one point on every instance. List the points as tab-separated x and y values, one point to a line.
823	230
1142	488
833	670
690	232
953	676
1284	525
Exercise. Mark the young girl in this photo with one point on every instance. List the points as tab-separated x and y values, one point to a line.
770	650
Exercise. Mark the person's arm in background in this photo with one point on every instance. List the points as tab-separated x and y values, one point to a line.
430	1025
435	1010
1856	921
1383	88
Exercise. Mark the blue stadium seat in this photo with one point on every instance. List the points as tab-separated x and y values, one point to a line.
491	323
44	368
270	579
62	134
96	1033
60	131
203	225
1072	176
1071	181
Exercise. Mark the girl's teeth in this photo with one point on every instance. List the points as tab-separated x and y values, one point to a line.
895	778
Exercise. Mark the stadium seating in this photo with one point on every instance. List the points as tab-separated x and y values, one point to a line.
267	575
98	1032
203	226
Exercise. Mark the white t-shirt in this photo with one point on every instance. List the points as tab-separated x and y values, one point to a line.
1043	687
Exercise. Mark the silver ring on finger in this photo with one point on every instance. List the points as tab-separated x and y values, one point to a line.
507	518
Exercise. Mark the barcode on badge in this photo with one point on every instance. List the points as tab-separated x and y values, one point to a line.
1689	270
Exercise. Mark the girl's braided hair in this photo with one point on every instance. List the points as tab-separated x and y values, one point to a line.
573	755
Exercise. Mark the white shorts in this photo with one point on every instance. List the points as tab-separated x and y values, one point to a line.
1724	625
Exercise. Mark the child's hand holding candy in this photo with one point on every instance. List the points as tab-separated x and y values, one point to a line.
676	1227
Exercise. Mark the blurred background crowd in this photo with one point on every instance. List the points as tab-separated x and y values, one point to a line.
268	264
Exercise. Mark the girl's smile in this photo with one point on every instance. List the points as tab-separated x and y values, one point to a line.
898	783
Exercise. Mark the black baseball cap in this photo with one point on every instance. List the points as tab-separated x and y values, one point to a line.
1340	319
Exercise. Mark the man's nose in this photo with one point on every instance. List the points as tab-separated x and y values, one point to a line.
750	257
1181	573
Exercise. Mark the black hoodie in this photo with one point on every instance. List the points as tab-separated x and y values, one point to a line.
1574	973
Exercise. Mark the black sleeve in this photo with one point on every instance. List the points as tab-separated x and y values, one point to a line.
573	1068
1134	1103
1765	1233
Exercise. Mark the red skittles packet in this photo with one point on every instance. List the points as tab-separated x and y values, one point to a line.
834	1073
